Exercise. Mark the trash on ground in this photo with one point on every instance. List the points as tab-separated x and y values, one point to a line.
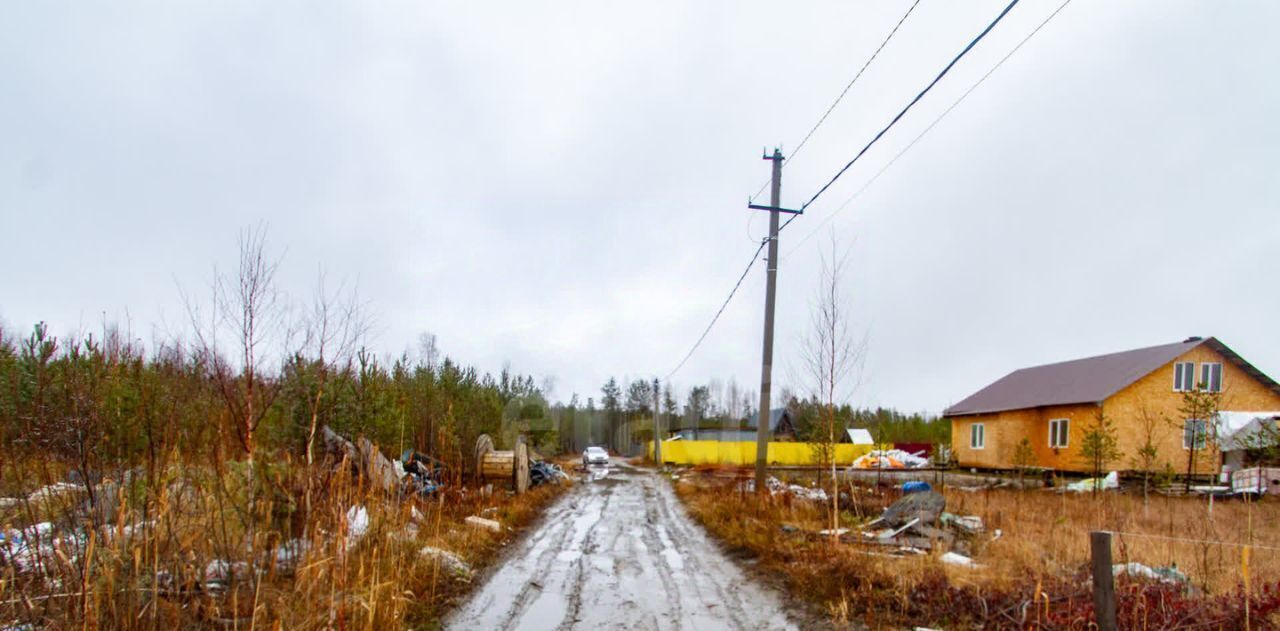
971	524
424	475
481	522
776	486
1170	574
926	506
890	459
1111	481
357	523
952	558
542	472
448	561
915	486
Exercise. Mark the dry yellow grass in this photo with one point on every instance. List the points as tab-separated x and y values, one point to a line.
149	566
1033	575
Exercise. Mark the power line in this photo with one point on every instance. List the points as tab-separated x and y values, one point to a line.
919	96
847	87
926	130
754	257
854	80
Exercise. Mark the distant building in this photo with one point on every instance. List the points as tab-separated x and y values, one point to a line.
859	436
1053	405
781	429
1249	439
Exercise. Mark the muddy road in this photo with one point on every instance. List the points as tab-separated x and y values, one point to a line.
619	552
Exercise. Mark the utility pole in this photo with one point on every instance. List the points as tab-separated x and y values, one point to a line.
657	424
771	275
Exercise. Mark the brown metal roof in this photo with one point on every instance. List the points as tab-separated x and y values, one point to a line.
1088	380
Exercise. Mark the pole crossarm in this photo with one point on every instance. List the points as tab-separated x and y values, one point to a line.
775	209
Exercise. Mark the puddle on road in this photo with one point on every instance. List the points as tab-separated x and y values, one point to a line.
546	612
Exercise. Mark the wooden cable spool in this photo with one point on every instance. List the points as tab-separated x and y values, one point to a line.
510	467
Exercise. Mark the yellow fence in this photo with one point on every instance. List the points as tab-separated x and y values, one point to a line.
744	453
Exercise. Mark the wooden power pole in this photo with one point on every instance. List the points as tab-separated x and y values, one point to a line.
657	424
771	275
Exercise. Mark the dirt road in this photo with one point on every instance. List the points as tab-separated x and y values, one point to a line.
618	552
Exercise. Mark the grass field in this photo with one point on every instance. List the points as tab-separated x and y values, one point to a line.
1034	575
194	547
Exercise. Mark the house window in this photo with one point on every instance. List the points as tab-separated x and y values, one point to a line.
1211	376
977	436
1058	431
1184	376
1194	432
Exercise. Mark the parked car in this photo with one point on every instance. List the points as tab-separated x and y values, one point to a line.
595	455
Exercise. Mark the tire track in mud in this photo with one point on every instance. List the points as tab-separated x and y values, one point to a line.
695	562
579	571
619	552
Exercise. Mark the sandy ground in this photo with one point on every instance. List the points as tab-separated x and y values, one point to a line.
618	552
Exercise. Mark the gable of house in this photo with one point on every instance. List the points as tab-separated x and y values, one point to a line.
1052	406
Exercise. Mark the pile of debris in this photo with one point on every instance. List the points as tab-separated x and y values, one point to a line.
777	486
890	459
919	522
414	474
1110	481
543	472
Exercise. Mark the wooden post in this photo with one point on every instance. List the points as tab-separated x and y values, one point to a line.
1104	585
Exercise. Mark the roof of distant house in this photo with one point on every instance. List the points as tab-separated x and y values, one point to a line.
775	417
1088	380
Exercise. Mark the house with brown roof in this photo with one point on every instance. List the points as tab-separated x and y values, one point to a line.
1053	405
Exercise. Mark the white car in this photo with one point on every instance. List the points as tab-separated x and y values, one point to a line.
595	455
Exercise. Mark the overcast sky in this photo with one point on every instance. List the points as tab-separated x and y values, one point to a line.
562	185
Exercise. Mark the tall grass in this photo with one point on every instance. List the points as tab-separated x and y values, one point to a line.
190	550
1034	575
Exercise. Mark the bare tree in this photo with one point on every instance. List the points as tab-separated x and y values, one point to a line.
1147	454
334	330
833	358
251	310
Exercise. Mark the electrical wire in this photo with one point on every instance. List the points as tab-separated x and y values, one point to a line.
854	80
754	257
847	87
922	134
919	96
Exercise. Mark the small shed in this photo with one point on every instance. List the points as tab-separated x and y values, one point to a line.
860	436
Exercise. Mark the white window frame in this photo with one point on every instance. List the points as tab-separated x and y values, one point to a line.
1203	435
1054	424
978	436
1207	379
1181	378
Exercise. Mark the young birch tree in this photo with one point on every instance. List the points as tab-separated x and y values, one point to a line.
833	358
249	309
334	330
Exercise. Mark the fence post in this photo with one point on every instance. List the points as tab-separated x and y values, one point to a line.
1104	586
